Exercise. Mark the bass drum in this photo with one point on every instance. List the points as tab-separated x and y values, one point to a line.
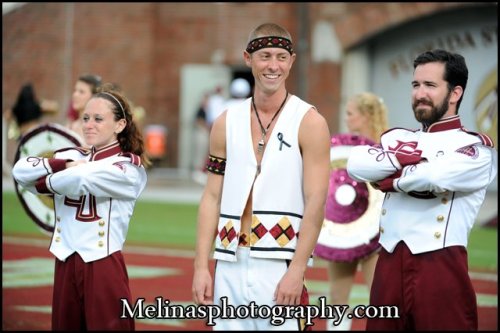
43	141
350	229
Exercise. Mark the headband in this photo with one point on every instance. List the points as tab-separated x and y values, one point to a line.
269	41
117	101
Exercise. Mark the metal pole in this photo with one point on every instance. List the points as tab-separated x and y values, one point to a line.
303	49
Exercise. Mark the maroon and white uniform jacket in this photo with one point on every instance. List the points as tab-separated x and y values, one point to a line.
93	202
435	182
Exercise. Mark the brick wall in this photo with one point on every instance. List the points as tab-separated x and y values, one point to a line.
142	47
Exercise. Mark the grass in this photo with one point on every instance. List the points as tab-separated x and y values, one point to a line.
153	223
483	248
174	225
164	224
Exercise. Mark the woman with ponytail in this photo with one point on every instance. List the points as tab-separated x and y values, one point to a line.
95	190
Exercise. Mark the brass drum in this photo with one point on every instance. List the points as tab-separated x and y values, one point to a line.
350	229
43	141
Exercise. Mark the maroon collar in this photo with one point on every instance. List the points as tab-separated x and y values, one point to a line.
449	123
104	152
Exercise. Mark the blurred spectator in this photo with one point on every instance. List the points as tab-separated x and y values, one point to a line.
240	90
85	87
211	107
201	136
350	233
27	112
215	105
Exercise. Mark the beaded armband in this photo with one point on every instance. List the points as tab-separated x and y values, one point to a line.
216	165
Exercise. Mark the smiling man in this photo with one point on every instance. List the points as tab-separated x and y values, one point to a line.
264	199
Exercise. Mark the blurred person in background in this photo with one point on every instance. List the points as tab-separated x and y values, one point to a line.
201	136
27	112
350	232
95	190
240	90
85	87
215	105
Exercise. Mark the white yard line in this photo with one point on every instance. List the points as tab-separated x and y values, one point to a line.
168	252
158	251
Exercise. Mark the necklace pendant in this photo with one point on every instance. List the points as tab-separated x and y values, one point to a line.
260	146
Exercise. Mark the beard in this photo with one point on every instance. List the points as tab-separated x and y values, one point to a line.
429	117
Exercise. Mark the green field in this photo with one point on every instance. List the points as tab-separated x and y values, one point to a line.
153	223
174	225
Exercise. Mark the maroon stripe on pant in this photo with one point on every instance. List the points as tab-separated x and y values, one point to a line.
432	290
304	300
87	295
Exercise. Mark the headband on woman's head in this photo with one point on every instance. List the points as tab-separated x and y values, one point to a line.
269	41
117	101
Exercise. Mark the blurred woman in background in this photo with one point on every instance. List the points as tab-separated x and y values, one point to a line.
85	87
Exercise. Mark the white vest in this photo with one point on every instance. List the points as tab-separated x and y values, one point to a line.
278	198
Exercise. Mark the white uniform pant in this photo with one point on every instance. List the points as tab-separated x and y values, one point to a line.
246	280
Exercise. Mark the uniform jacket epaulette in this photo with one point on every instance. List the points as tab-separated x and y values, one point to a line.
134	159
485	139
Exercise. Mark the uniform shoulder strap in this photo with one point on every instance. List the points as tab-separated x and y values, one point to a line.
485	139
134	159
